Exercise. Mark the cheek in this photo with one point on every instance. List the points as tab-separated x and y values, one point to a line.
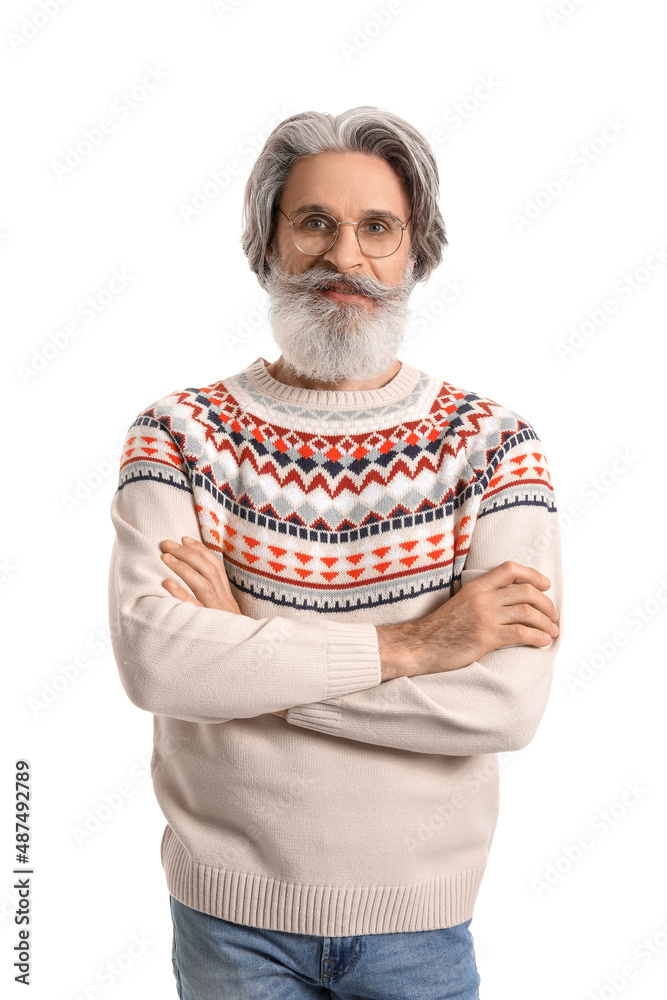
290	260
390	274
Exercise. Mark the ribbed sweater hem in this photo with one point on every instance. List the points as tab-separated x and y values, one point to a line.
323	910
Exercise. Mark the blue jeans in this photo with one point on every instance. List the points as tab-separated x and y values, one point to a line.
215	959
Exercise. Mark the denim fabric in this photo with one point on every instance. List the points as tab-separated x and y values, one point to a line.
215	959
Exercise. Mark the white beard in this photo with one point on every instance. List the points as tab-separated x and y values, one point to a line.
330	341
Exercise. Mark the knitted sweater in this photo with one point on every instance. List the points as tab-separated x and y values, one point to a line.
371	808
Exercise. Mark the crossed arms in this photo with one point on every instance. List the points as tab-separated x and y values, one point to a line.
415	686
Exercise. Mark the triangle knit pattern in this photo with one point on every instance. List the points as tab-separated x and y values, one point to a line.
359	505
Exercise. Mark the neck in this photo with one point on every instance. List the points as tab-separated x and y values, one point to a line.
281	373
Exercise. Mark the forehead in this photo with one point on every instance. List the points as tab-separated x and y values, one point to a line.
345	182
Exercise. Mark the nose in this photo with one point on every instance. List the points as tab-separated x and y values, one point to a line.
346	252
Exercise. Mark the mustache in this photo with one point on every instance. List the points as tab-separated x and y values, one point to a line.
316	277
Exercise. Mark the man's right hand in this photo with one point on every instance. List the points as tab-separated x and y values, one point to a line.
503	607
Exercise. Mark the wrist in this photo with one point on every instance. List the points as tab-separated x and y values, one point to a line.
397	652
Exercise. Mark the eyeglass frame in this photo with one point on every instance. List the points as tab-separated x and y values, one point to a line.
356	232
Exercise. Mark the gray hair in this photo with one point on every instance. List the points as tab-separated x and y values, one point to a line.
364	129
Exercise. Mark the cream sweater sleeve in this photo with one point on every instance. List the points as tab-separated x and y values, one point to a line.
495	703
200	664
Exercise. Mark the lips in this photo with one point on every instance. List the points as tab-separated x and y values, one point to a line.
338	286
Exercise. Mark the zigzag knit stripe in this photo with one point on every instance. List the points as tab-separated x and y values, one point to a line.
364	507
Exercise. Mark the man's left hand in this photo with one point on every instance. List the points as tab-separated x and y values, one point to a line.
203	572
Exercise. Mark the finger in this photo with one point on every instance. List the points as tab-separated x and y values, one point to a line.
217	562
528	594
510	572
206	562
522	635
203	589
197	555
180	592
208	590
526	614
193	557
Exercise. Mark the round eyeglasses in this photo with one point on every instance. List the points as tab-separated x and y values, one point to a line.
378	235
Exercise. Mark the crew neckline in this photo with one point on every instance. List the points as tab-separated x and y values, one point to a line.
400	384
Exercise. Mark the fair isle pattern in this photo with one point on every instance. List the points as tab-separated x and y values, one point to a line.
337	510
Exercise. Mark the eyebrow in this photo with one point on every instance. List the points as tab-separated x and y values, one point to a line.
329	211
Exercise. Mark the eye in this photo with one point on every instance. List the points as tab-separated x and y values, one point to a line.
314	223
380	225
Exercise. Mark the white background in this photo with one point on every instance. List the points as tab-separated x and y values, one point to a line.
509	94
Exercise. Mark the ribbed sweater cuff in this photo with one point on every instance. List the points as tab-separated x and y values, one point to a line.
353	657
320	716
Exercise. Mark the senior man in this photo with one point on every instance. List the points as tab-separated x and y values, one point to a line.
335	583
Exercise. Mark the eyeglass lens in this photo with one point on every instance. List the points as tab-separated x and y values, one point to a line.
379	235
